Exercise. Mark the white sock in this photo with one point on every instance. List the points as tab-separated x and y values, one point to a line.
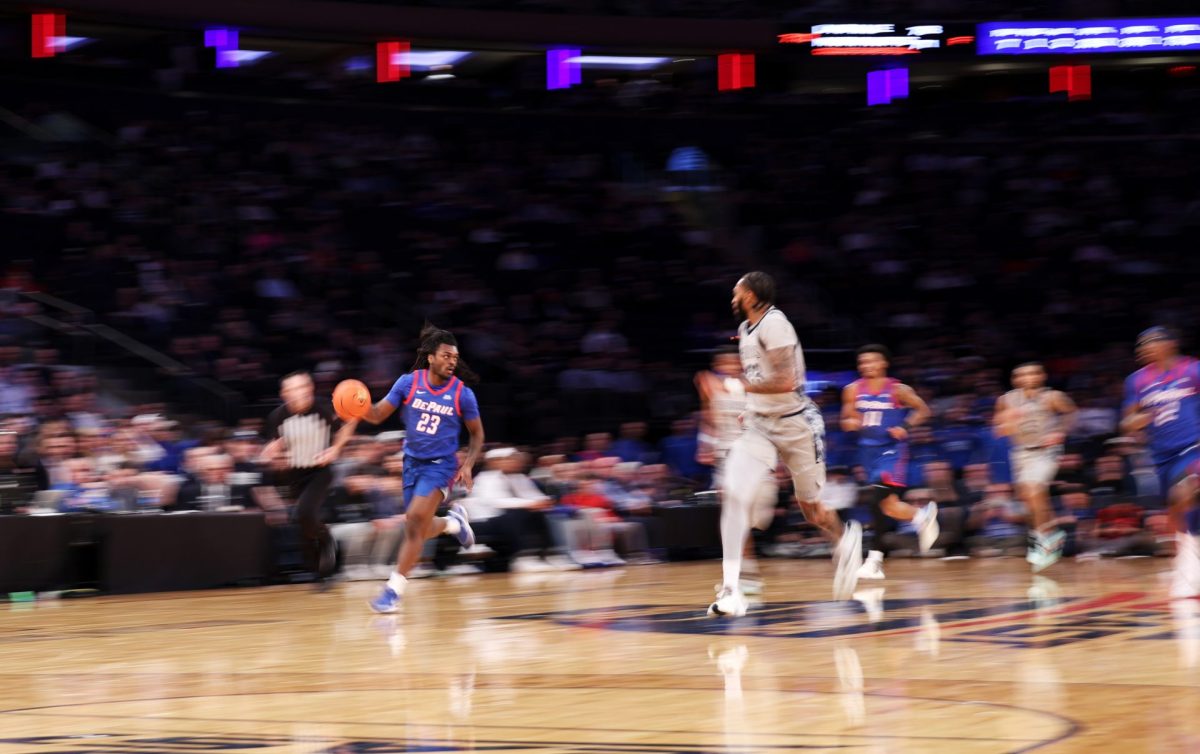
734	526
397	583
453	527
875	555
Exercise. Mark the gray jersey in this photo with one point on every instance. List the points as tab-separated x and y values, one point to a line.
1035	417
772	332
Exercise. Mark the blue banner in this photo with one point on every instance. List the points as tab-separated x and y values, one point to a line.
1088	37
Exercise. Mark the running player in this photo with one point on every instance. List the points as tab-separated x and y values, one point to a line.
1036	419
881	410
1163	399
436	406
779	419
720	424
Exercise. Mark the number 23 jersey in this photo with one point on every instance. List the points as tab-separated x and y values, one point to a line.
433	417
1172	398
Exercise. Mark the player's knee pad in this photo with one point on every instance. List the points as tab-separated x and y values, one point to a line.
881	492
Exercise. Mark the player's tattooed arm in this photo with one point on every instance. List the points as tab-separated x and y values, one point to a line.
781	366
379	412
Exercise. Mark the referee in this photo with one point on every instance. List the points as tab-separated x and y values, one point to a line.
304	437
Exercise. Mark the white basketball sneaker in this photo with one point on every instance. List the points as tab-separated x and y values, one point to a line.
848	556
927	526
729	602
872	567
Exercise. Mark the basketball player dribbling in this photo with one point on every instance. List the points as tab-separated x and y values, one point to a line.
436	406
720	424
1036	419
779	419
881	410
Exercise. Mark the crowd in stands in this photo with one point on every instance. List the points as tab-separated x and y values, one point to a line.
244	247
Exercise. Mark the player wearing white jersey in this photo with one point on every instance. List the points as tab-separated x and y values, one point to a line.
1036	420
721	413
779	419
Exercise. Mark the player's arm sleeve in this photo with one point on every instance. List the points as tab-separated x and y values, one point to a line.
470	405
399	392
779	344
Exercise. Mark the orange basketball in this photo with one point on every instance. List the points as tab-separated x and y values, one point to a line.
351	400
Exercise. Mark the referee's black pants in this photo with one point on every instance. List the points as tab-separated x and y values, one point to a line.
309	489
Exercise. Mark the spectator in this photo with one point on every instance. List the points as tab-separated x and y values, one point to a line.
17	485
1121	531
923	451
959	441
603	528
1110	479
631	444
997	524
1075	516
509	514
85	491
634	502
1071	473
55	447
211	488
595	445
976	481
679	450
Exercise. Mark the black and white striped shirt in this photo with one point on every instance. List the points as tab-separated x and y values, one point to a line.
305	434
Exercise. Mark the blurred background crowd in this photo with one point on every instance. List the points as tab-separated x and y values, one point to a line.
170	258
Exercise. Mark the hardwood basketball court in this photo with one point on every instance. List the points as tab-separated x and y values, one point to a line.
962	658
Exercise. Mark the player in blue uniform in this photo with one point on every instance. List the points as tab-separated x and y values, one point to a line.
436	406
1162	399
881	410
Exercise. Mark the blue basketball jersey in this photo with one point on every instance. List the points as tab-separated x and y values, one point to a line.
433	417
879	411
1173	398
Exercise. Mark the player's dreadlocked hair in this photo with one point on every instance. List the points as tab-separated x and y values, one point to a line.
431	338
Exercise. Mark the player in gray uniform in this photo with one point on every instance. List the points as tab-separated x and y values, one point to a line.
1036	420
779	419
721	412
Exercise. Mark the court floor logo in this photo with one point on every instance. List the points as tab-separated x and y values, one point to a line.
1021	624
